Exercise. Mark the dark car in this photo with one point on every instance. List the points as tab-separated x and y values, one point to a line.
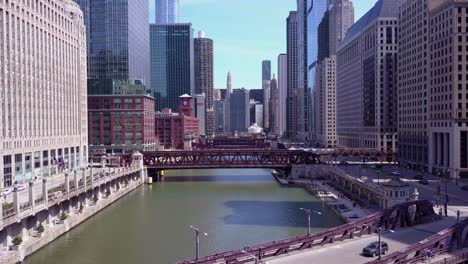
465	188
372	249
418	177
344	163
424	182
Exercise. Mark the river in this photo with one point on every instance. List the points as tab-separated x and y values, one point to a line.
236	208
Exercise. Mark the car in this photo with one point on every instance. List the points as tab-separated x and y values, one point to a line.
5	191
344	163
418	177
465	188
372	249
423	182
396	173
19	188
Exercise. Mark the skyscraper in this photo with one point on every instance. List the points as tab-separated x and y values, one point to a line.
172	63
366	92
227	102
118	39
203	59
266	104
167	11
341	19
266	70
274	106
302	92
282	92
318	48
413	83
43	107
292	71
338	19
240	114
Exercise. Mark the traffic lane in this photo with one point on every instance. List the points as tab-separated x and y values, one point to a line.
350	251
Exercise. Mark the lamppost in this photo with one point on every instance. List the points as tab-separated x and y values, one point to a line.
380	241
309	212
197	240
378	177
446	194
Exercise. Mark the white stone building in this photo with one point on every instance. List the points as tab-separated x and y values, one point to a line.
43	97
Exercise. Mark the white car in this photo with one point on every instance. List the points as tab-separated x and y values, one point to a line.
396	173
5	191
19	188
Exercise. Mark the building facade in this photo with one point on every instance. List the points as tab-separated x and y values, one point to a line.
200	111
43	107
167	11
178	130
227	104
303	94
266	104
366	93
240	114
282	92
204	78
266	70
118	39
172	63
448	88
413	83
219	109
338	19
274	106
121	121
292	74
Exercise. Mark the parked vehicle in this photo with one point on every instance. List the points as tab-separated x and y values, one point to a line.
418	177
19	188
372	249
396	173
424	182
465	188
5	191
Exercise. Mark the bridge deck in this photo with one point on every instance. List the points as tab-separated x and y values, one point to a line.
351	249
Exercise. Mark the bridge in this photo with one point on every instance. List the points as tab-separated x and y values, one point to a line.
225	142
209	159
360	153
400	216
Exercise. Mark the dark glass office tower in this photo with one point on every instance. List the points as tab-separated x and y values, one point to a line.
117	39
172	63
266	70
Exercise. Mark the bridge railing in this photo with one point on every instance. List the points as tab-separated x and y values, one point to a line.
437	244
357	228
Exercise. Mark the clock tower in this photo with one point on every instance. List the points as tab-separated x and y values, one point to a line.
186	105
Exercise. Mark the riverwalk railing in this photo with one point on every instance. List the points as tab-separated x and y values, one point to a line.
58	194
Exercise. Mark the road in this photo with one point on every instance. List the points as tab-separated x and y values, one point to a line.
349	252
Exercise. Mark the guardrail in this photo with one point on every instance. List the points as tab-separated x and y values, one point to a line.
58	194
440	243
453	260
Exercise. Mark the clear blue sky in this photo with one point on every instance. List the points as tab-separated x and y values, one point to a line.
244	32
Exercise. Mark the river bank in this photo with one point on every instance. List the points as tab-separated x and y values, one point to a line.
335	200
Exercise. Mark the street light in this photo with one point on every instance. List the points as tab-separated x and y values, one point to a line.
197	240
309	212
380	241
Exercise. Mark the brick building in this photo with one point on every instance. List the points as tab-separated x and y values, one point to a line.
178	130
120	117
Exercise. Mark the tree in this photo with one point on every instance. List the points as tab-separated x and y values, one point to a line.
17	240
40	228
63	216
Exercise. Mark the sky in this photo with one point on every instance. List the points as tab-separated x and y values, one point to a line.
244	32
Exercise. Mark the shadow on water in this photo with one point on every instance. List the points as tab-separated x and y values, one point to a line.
260	213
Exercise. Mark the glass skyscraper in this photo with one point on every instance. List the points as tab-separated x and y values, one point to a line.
117	39
167	11
266	70
172	63
318	46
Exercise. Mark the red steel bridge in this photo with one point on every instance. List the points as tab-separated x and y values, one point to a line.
208	159
399	216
